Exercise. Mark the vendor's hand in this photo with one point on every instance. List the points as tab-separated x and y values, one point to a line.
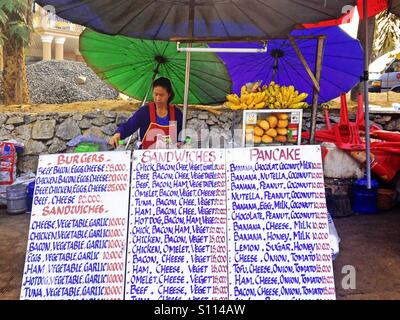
114	140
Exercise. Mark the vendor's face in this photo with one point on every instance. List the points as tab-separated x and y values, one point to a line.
160	96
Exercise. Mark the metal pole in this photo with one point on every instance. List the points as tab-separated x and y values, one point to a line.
187	71
366	100
186	93
318	69
145	97
275	68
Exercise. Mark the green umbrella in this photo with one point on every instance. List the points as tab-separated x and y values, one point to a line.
131	65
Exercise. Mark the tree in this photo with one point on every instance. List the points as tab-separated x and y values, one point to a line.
15	29
387	34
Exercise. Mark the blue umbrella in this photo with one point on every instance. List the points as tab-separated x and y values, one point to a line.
341	69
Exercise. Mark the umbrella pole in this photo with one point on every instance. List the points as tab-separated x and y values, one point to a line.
366	100
186	93
145	97
187	71
275	68
316	91
315	78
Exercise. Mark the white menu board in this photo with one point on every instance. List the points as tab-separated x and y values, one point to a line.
277	224
77	238
177	226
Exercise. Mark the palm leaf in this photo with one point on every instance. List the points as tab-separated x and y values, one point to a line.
387	34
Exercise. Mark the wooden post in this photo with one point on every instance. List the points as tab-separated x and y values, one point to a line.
304	62
316	91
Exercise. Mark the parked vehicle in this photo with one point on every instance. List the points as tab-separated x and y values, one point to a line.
384	73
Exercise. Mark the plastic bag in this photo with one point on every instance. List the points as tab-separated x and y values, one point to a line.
91	138
334	238
23	179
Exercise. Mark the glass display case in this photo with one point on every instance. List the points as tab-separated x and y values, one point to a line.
272	127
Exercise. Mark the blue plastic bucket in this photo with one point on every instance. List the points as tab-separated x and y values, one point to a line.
364	200
29	196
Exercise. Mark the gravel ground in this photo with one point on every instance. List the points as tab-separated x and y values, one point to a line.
54	82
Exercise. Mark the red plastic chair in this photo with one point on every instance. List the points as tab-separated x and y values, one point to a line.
346	133
360	118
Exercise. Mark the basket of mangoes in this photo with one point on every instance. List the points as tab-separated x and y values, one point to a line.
272	129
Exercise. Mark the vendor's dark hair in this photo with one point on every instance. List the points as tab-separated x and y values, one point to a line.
166	84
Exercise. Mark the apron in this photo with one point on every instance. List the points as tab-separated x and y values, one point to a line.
157	136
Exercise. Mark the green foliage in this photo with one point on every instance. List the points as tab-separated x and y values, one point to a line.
14	17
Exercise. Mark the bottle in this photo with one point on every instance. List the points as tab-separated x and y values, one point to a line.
121	145
187	144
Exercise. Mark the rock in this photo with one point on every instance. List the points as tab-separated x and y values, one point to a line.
59	82
223	117
5	134
9	127
34	147
110	114
15	120
333	119
28	164
230	115
57	146
220	138
383	119
92	115
197	125
77	117
101	121
213	118
65	115
190	115
203	116
43	130
3	119
109	129
29	119
85	124
24	131
397	125
80	80
94	131
121	119
68	130
391	125
210	122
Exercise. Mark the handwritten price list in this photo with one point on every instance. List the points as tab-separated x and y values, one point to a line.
77	239
277	224
177	230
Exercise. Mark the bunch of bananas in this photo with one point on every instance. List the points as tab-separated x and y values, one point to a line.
272	96
271	129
